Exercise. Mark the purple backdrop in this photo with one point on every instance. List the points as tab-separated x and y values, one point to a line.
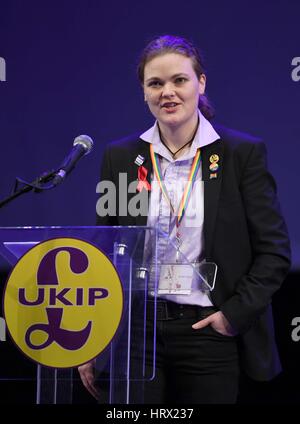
70	69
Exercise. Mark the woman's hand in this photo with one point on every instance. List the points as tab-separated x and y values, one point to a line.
87	375
219	323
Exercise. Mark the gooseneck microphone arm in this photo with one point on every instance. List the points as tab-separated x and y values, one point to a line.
35	185
82	145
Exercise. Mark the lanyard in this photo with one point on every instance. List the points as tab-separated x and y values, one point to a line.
188	189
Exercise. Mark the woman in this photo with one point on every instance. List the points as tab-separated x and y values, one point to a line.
204	339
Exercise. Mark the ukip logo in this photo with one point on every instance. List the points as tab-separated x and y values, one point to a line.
63	302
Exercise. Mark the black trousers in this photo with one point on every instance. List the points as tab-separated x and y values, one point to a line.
191	366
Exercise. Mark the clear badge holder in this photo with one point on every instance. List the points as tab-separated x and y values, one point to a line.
179	276
182	278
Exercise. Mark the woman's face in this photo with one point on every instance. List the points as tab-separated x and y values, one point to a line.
172	89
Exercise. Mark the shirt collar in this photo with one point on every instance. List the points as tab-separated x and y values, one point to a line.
205	135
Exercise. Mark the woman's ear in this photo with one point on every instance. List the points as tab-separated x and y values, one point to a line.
202	84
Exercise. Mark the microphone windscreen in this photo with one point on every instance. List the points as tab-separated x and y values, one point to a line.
85	141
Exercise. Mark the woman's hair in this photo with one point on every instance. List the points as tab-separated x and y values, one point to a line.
175	44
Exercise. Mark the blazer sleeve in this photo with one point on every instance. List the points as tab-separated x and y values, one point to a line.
269	240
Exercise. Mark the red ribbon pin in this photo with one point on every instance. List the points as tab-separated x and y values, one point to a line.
142	177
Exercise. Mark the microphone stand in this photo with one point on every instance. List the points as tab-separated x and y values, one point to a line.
37	185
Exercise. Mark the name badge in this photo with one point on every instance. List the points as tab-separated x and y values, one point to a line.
175	279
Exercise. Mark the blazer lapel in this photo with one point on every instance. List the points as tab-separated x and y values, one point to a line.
143	149
212	187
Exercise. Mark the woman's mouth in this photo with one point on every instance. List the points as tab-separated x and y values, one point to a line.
170	106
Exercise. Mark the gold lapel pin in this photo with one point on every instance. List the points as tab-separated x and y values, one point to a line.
214	158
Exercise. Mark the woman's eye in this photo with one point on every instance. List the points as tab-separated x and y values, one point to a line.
154	84
180	80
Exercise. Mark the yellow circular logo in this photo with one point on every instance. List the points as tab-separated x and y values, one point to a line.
63	302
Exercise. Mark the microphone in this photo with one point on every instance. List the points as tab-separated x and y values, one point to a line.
82	145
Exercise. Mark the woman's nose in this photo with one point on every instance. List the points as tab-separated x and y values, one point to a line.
168	90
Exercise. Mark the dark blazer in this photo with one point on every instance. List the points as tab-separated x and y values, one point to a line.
244	232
